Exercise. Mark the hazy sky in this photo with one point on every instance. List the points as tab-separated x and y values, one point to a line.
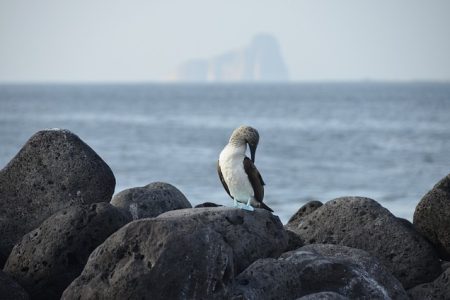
134	40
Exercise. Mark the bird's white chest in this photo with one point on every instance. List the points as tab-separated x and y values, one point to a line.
232	167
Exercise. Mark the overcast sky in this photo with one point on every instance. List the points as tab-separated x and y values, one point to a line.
144	40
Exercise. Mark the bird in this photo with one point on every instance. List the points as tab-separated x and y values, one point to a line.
238	173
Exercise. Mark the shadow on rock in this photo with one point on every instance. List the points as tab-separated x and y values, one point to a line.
348	272
11	290
437	289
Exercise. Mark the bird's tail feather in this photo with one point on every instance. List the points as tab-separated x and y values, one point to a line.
262	205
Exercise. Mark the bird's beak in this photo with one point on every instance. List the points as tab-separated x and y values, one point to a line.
252	152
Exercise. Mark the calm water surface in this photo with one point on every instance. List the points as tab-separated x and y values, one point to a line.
389	142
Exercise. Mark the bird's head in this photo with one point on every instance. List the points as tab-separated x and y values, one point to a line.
246	135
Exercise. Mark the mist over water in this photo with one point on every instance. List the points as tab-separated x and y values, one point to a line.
389	142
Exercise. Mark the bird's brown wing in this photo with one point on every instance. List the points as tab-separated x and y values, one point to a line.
255	179
225	186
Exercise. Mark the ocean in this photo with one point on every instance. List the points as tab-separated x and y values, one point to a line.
318	141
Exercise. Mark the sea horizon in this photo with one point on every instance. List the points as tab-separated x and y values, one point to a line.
319	141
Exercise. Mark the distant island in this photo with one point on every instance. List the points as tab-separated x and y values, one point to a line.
261	60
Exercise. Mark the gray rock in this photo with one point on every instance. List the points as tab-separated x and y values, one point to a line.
407	223
364	224
438	289
324	296
349	272
207	204
54	170
303	211
432	217
50	257
11	290
294	241
251	235
182	254
151	200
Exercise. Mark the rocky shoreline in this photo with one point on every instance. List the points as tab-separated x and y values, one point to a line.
64	236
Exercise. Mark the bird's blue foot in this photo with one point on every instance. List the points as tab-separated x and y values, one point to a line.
240	205
247	207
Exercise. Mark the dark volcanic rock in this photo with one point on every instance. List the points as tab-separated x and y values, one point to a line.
324	296
432	217
251	235
182	254
53	170
151	200
364	224
294	241
50	257
11	290
407	223
349	272
438	289
304	211
207	204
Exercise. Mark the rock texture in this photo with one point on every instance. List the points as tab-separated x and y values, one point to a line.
207	204
50	257
11	290
349	272
324	296
303	212
438	289
182	254
364	224
294	241
432	217
54	170
150	200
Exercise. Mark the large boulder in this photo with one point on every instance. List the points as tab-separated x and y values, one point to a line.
364	224
432	217
251	235
151	200
54	170
182	254
303	211
50	257
348	272
437	289
11	290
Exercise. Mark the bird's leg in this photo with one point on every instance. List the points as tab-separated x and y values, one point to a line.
248	206
238	204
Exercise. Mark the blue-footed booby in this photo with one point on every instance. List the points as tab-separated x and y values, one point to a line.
237	172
